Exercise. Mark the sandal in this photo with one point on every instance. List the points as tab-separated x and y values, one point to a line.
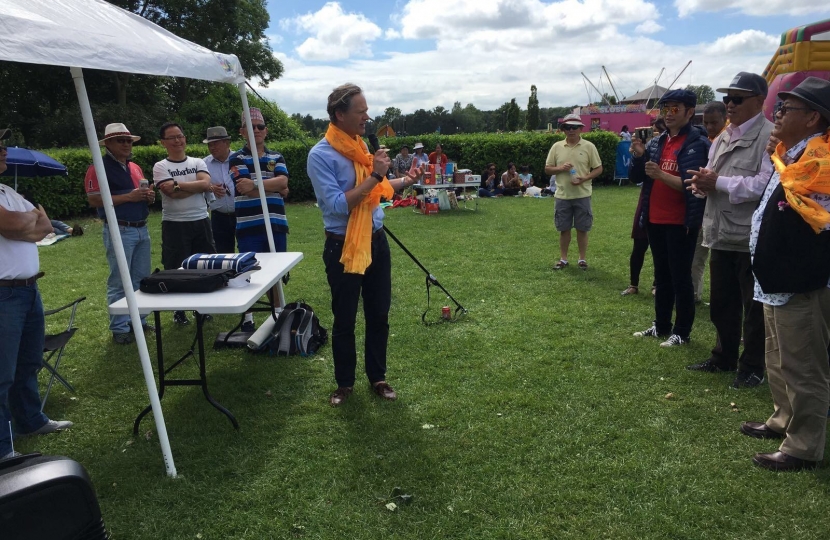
582	264
632	289
560	265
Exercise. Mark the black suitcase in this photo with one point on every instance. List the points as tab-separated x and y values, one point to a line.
48	497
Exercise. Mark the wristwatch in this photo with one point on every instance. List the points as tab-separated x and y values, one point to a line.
176	185
376	176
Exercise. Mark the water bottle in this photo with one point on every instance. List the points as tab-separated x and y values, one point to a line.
573	175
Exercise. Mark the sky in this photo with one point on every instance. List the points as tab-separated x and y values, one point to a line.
419	54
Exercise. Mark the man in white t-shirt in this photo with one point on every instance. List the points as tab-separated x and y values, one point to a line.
21	316
184	183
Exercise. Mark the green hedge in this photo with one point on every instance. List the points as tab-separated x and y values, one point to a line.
63	197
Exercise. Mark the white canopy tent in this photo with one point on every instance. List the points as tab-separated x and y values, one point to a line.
94	34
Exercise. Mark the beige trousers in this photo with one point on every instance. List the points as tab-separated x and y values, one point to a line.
797	335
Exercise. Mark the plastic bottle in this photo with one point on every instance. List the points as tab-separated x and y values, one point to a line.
573	174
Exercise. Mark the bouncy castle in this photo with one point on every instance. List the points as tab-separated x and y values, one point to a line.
804	52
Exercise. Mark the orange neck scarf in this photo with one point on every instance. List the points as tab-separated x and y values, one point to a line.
357	249
810	174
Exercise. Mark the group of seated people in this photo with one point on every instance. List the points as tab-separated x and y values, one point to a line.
510	183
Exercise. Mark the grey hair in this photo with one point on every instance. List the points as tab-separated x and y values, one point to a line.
340	99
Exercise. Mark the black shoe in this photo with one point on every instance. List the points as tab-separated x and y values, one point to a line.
779	461
180	318
710	366
760	430
248	326
747	379
122	338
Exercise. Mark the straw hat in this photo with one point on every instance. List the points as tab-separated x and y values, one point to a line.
117	130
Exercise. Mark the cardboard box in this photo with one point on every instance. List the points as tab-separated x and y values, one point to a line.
472	179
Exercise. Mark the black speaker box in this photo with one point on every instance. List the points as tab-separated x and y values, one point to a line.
48	497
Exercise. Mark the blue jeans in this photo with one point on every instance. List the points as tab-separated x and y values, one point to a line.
21	352
136	242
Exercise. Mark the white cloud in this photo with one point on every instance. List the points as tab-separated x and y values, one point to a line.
754	7
475	58
747	42
648	27
337	35
392	33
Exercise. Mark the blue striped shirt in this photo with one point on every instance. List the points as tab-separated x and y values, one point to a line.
249	218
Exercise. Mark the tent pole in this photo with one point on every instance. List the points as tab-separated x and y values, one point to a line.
243	94
109	209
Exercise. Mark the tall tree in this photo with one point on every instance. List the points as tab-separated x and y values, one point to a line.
704	93
532	110
512	122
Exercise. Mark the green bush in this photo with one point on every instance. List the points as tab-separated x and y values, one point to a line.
64	196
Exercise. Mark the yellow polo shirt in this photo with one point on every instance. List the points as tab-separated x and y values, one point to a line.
584	157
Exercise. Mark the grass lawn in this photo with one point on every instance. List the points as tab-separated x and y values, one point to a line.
536	416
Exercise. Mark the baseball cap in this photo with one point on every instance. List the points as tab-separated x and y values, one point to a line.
748	82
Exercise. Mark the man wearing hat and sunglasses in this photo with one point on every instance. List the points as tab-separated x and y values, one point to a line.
131	197
222	213
672	214
575	162
733	180
790	246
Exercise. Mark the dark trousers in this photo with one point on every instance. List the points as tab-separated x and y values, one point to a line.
181	239
672	249
375	286
734	313
224	231
638	257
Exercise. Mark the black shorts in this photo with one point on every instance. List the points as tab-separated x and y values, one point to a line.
181	239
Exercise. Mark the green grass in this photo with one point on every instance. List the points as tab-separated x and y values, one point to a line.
550	419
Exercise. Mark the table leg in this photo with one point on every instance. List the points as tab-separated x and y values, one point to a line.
203	375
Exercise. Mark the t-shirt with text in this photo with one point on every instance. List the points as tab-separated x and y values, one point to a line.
191	208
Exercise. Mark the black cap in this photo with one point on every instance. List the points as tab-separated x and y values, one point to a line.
814	92
748	82
686	97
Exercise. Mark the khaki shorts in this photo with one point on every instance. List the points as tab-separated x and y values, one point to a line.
573	214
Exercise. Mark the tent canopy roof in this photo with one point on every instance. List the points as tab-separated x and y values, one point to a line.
95	34
657	93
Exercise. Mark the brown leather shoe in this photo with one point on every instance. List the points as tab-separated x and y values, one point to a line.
340	395
779	461
385	391
759	430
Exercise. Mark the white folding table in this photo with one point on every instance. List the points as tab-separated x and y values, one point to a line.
228	300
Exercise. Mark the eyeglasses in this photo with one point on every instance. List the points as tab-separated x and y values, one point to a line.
174	138
569	127
123	140
737	100
782	109
260	127
670	110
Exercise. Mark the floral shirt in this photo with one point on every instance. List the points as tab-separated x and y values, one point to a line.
401	163
792	155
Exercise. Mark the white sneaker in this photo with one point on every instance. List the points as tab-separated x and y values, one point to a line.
649	332
50	427
675	340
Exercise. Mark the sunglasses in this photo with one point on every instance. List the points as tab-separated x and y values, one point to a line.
260	127
568	127
123	140
670	110
782	109
737	100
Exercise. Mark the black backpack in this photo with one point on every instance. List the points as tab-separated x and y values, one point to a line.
297	331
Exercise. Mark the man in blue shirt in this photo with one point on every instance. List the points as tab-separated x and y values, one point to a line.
339	193
222	213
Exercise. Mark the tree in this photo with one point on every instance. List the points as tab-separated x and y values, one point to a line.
512	122
704	93
532	110
390	115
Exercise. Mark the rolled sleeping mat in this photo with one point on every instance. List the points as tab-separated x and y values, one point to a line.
262	335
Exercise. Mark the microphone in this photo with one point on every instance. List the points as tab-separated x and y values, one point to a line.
374	144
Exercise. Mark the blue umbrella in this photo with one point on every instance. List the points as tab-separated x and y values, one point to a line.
29	163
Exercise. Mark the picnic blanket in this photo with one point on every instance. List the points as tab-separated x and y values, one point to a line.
51	238
240	262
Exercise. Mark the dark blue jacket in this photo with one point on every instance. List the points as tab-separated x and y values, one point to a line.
692	155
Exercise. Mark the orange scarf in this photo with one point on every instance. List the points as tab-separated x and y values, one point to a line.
810	174
357	249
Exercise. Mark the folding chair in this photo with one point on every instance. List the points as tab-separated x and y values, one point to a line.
54	344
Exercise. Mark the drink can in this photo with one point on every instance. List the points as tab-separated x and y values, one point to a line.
446	313
143	184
